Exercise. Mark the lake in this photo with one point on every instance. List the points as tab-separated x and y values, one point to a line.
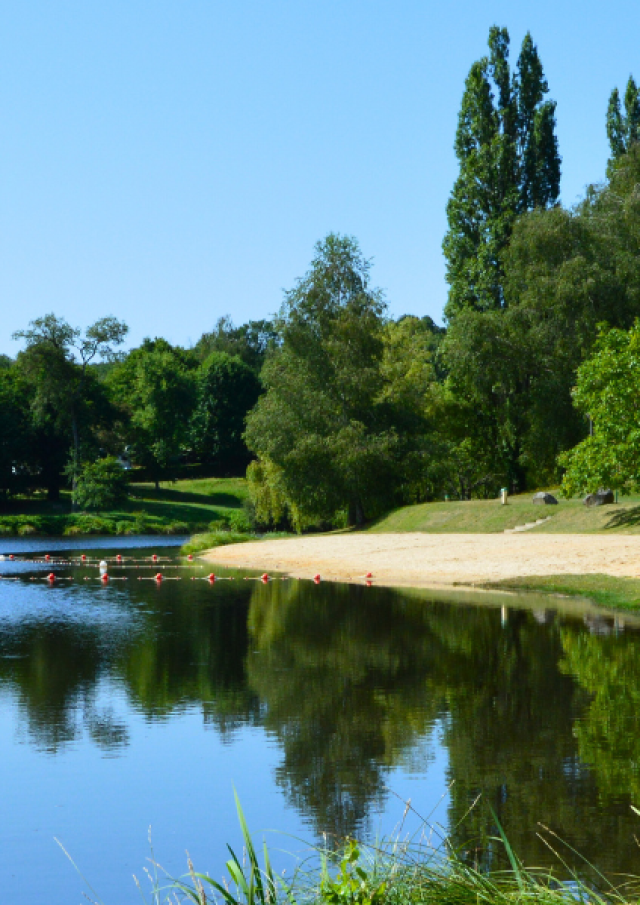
138	706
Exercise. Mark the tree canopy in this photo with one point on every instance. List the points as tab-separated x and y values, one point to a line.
623	128
327	432
509	163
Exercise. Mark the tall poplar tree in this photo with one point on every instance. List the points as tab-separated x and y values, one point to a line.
623	128
509	163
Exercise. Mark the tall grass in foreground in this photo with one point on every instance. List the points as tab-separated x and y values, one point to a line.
409	872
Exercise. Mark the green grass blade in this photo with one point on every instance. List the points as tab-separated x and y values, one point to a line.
513	861
255	872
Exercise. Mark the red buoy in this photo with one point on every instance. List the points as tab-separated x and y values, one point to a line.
316	578
83	557
211	577
46	557
154	558
11	556
264	577
104	577
368	575
118	558
190	558
51	576
159	576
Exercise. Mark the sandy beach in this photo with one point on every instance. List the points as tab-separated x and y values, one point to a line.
436	560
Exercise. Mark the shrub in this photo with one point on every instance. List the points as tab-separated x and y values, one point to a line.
101	485
239	521
89	524
140	524
176	528
201	542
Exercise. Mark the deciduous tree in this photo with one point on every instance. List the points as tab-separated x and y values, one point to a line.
226	390
607	390
323	424
56	362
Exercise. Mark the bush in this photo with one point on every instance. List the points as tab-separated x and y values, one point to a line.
101	485
212	539
239	521
89	524
176	528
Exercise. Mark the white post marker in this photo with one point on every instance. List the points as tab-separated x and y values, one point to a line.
503	496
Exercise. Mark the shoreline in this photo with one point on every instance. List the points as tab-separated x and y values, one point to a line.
437	561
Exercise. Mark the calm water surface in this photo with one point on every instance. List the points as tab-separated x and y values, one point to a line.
140	705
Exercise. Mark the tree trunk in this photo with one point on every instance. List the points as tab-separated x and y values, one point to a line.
53	492
355	516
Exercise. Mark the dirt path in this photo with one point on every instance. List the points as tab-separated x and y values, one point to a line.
431	560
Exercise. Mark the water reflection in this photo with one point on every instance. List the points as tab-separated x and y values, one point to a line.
540	712
345	677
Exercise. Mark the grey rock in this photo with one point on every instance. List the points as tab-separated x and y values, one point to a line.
545	499
601	498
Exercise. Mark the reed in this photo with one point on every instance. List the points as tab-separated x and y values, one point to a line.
401	872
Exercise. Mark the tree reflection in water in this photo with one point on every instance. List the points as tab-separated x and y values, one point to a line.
345	681
539	715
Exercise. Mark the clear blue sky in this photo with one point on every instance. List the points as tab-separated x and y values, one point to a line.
171	161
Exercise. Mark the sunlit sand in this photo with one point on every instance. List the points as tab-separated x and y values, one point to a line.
431	560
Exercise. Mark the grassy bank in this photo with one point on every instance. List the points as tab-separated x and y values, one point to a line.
210	539
184	507
490	517
421	870
605	590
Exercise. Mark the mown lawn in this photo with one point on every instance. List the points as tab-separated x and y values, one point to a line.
491	517
616	593
183	507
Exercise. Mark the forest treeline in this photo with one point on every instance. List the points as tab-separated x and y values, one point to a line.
339	412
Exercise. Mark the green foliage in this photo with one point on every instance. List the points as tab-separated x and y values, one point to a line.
155	386
17	459
184	508
66	400
623	129
211	539
509	163
84	525
269	497
400	871
606	391
511	371
253	884
250	342
329	433
100	485
352	884
226	389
